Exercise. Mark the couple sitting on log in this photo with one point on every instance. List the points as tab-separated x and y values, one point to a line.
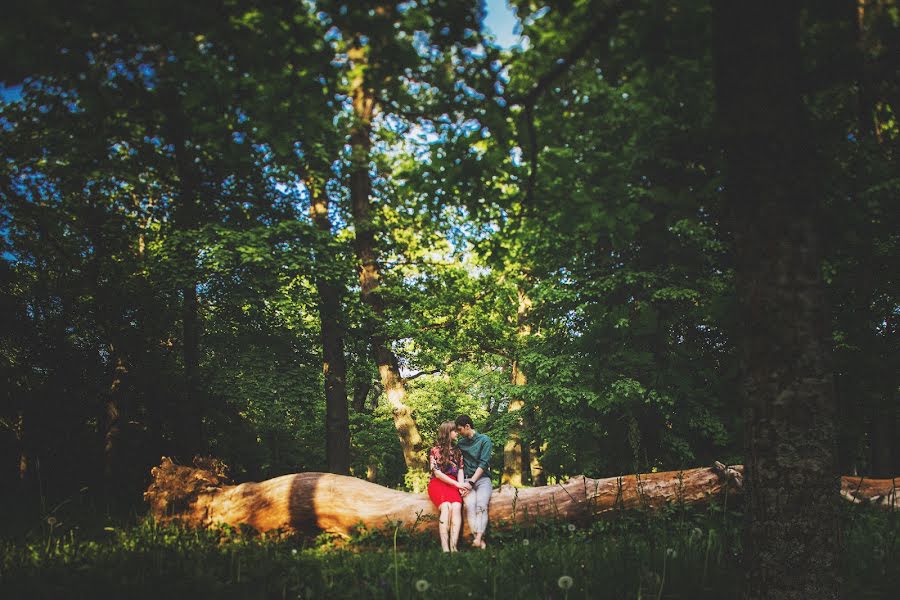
460	473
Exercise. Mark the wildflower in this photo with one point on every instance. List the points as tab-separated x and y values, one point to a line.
565	582
525	542
570	527
422	585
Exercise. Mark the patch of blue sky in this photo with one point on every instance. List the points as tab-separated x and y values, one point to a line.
10	94
515	156
501	21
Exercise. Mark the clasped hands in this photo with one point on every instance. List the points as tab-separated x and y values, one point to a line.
464	488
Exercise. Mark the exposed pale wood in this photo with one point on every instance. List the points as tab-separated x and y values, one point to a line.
199	497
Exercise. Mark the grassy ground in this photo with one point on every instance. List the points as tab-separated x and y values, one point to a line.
668	554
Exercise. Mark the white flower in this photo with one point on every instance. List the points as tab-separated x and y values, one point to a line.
525	542
570	527
565	582
422	585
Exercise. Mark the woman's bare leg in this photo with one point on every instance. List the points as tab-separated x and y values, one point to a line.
455	524
442	526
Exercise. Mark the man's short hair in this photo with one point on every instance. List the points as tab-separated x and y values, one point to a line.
463	420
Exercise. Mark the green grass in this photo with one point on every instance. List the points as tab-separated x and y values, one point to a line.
669	554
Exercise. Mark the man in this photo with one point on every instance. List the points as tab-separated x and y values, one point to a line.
476	450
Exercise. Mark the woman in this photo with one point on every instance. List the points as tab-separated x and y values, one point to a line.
446	464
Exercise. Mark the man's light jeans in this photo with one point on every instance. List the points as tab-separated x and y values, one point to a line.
476	502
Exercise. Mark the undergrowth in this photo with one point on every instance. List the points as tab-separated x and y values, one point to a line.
671	553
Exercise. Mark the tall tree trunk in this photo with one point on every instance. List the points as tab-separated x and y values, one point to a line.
334	365
515	453
189	421
369	273
791	529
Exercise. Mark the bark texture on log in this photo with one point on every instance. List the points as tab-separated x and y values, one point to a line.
199	497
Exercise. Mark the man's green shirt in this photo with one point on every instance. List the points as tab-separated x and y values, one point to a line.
476	453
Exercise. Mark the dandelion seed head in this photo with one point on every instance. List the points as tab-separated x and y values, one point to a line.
422	586
565	582
570	527
525	542
51	521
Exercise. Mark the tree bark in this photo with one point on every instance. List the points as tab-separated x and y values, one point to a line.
112	422
23	461
189	421
369	270
334	365
791	532
308	502
515	453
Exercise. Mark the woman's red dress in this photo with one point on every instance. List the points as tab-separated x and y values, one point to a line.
441	491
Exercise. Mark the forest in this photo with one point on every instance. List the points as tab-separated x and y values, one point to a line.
252	239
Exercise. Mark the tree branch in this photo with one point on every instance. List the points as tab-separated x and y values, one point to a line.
604	22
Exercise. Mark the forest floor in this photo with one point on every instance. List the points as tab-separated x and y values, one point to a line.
665	554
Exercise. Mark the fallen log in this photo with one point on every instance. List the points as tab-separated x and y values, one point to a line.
200	496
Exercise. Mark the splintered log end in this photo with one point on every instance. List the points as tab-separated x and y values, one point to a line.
731	474
175	489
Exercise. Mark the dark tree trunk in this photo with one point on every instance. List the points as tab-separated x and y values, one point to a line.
883	436
360	394
334	367
791	529
112	422
189	439
369	270
23	462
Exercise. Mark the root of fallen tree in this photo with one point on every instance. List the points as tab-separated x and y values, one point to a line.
200	496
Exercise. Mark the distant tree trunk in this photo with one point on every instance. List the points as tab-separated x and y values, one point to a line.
189	439
791	529
23	453
535	452
361	394
334	367
515	453
369	270
111	420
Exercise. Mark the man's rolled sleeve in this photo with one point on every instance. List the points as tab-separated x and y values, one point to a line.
484	457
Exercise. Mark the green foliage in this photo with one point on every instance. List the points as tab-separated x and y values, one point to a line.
146	160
